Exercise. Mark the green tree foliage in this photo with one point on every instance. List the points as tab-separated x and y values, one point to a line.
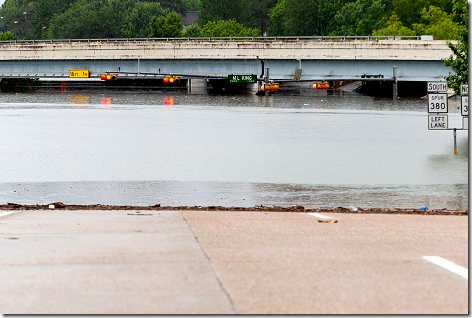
169	26
104	19
277	19
27	19
191	5
437	23
256	13
360	17
215	10
459	60
34	19
224	28
138	19
192	31
41	13
394	28
409	12
6	36
304	17
172	5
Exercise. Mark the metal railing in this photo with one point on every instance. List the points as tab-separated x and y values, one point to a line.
255	38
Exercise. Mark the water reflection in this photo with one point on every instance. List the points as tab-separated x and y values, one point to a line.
175	193
81	99
168	101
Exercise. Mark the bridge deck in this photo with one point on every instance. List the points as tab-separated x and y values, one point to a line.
332	59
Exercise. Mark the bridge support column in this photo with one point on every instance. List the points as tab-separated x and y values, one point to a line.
252	88
395	84
197	86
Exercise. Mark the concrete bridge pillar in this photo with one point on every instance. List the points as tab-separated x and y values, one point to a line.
197	86
252	88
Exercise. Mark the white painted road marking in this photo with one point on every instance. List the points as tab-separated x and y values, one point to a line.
7	213
319	216
450	266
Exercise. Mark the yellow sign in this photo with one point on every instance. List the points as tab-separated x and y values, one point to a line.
79	74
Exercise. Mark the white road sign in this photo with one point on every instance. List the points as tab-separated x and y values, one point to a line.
437	87
437	103
437	122
465	123
464	89
465	105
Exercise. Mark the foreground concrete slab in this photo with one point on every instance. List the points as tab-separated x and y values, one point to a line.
290	263
208	262
104	262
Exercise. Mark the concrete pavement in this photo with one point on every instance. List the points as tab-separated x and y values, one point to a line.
95	262
132	262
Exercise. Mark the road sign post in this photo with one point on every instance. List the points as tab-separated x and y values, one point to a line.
438	108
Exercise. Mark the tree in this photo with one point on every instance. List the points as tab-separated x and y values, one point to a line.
169	26
227	28
215	10
84	19
137	19
172	5
437	23
191	5
276	19
41	13
6	36
409	12
360	17
192	31
301	17
394	28
256	13
104	19
304	17
459	60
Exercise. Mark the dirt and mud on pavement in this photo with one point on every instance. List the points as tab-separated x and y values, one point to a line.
296	208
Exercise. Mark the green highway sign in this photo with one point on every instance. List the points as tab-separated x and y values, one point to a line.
242	78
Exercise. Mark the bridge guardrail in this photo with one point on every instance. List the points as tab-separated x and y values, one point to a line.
256	38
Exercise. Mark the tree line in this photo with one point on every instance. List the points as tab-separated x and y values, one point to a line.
45	19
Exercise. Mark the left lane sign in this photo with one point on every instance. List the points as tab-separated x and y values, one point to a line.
437	122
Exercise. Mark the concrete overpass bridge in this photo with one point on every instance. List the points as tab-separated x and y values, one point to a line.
286	58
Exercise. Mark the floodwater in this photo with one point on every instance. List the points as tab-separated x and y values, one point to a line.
168	147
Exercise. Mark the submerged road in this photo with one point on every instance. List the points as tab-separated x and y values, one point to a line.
193	262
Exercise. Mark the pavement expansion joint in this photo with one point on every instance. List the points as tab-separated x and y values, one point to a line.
215	273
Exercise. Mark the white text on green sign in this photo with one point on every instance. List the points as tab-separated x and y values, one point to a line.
242	78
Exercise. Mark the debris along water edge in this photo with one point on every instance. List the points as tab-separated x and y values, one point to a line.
296	208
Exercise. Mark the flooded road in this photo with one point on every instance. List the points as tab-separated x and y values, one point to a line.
143	148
